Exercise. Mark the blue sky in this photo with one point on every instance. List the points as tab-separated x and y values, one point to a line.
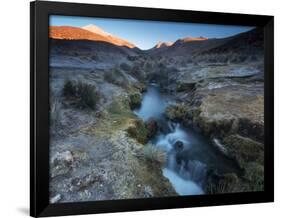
145	34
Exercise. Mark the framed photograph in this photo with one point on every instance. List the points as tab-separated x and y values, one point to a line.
141	109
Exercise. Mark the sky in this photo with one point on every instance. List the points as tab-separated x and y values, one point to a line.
146	34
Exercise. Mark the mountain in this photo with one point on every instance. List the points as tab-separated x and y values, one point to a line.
73	33
95	29
78	47
111	38
91	32
185	47
243	42
247	43
163	44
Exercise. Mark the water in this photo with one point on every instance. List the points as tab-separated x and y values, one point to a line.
187	166
153	104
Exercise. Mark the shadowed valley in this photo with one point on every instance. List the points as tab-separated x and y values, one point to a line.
182	118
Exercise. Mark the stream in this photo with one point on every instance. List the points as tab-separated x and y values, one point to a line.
189	154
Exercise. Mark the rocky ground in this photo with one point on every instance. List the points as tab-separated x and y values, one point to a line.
99	154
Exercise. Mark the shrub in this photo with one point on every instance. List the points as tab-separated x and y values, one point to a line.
109	77
177	112
152	154
138	131
131	58
69	89
125	66
228	183
84	95
87	95
115	76
135	100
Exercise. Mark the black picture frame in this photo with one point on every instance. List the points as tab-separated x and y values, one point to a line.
39	108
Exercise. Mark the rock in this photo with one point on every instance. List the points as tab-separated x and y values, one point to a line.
220	147
231	109
152	127
135	100
178	146
55	199
163	126
138	131
61	163
82	183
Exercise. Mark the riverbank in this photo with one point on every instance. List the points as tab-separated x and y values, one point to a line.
230	112
93	157
191	158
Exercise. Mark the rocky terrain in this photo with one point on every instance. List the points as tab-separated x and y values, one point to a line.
100	148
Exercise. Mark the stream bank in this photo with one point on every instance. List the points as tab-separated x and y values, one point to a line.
191	158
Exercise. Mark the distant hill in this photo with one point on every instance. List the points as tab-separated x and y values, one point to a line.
185	46
247	45
248	41
91	33
93	40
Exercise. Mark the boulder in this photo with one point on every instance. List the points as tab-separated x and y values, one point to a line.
55	199
178	146
244	150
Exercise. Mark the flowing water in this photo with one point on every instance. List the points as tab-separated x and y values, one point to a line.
187	165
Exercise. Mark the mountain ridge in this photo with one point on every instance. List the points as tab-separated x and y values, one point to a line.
77	33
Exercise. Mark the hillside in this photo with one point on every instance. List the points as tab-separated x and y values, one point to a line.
90	33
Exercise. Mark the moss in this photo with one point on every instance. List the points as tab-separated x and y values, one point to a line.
138	131
177	112
135	100
215	124
243	149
